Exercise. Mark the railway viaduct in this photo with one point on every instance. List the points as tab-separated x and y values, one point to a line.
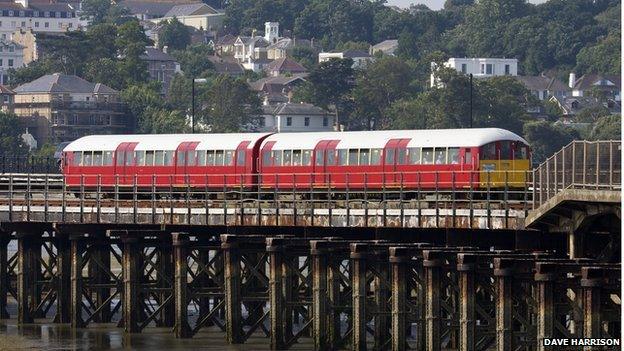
355	273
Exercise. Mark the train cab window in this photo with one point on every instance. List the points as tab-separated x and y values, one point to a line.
266	158
168	158
201	157
353	157
343	158
505	150
467	157
306	158
129	158
453	155
87	158
375	156
210	158
240	157
97	158
181	158
440	156
364	157
229	157
401	156
331	157
159	158
77	158
296	157
320	157
488	152
277	157
389	156
427	155
139	156
149	158
107	158
219	158
414	155
287	158
190	157
119	156
520	151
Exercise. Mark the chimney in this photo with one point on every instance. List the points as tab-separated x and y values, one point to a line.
253	33
572	80
165	49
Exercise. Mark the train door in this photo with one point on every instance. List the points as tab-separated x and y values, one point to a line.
185	160
395	154
124	163
319	162
266	168
242	163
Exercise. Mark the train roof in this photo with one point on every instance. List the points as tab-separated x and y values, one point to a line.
378	139
225	141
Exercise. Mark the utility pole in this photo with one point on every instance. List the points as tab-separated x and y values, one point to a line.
195	80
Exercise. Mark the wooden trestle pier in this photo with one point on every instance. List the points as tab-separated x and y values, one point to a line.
330	292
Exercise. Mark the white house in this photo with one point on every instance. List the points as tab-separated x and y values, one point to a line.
360	58
479	67
295	117
11	56
198	15
609	85
38	16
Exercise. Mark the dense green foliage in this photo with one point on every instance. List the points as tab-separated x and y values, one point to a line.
175	35
10	140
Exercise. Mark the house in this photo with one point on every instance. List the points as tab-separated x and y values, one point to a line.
7	97
197	15
544	87
386	47
71	107
227	65
247	49
223	46
609	86
146	9
154	31
283	46
572	105
38	15
479	67
284	66
360	58
161	66
274	90
295	117
11	57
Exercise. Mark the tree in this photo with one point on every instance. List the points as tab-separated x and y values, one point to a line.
179	94
174	34
139	98
193	61
604	57
10	139
131	42
101	38
95	10
591	114
306	56
104	71
607	127
162	121
546	138
228	105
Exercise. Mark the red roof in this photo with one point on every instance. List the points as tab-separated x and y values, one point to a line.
286	65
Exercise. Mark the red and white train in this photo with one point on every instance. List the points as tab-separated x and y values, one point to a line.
442	158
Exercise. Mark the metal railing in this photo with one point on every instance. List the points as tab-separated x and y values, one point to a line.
579	165
29	164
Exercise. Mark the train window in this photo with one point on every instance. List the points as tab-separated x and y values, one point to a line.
277	157
210	158
219	158
201	157
401	156
331	157
505	148
159	158
364	157
181	156
353	157
139	156
120	155
342	157
190	157
77	158
467	157
389	156
296	158
149	158
520	151
168	158
229	157
453	155
320	159
307	158
440	155
375	156
414	156
287	158
107	159
240	157
266	158
97	158
129	158
489	151
87	158
427	155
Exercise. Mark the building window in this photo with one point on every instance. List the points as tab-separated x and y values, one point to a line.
10	62
11	48
10	13
70	24
36	14
3	36
23	24
325	121
489	68
46	14
12	24
47	24
36	24
288	121
1	63
464	68
306	121
60	24
21	13
507	70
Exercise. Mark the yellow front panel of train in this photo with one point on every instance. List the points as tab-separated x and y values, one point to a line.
500	172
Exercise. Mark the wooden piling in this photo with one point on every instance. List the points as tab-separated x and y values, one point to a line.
25	281
232	283
131	283
63	278
77	264
180	287
275	249
591	282
318	252
544	278
359	253
166	269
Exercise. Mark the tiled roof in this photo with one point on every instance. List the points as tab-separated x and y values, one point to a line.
588	81
542	83
155	54
61	83
152	8
227	39
190	9
286	64
290	108
386	45
279	80
224	66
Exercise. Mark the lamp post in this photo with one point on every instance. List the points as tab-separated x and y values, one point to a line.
195	80
470	100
